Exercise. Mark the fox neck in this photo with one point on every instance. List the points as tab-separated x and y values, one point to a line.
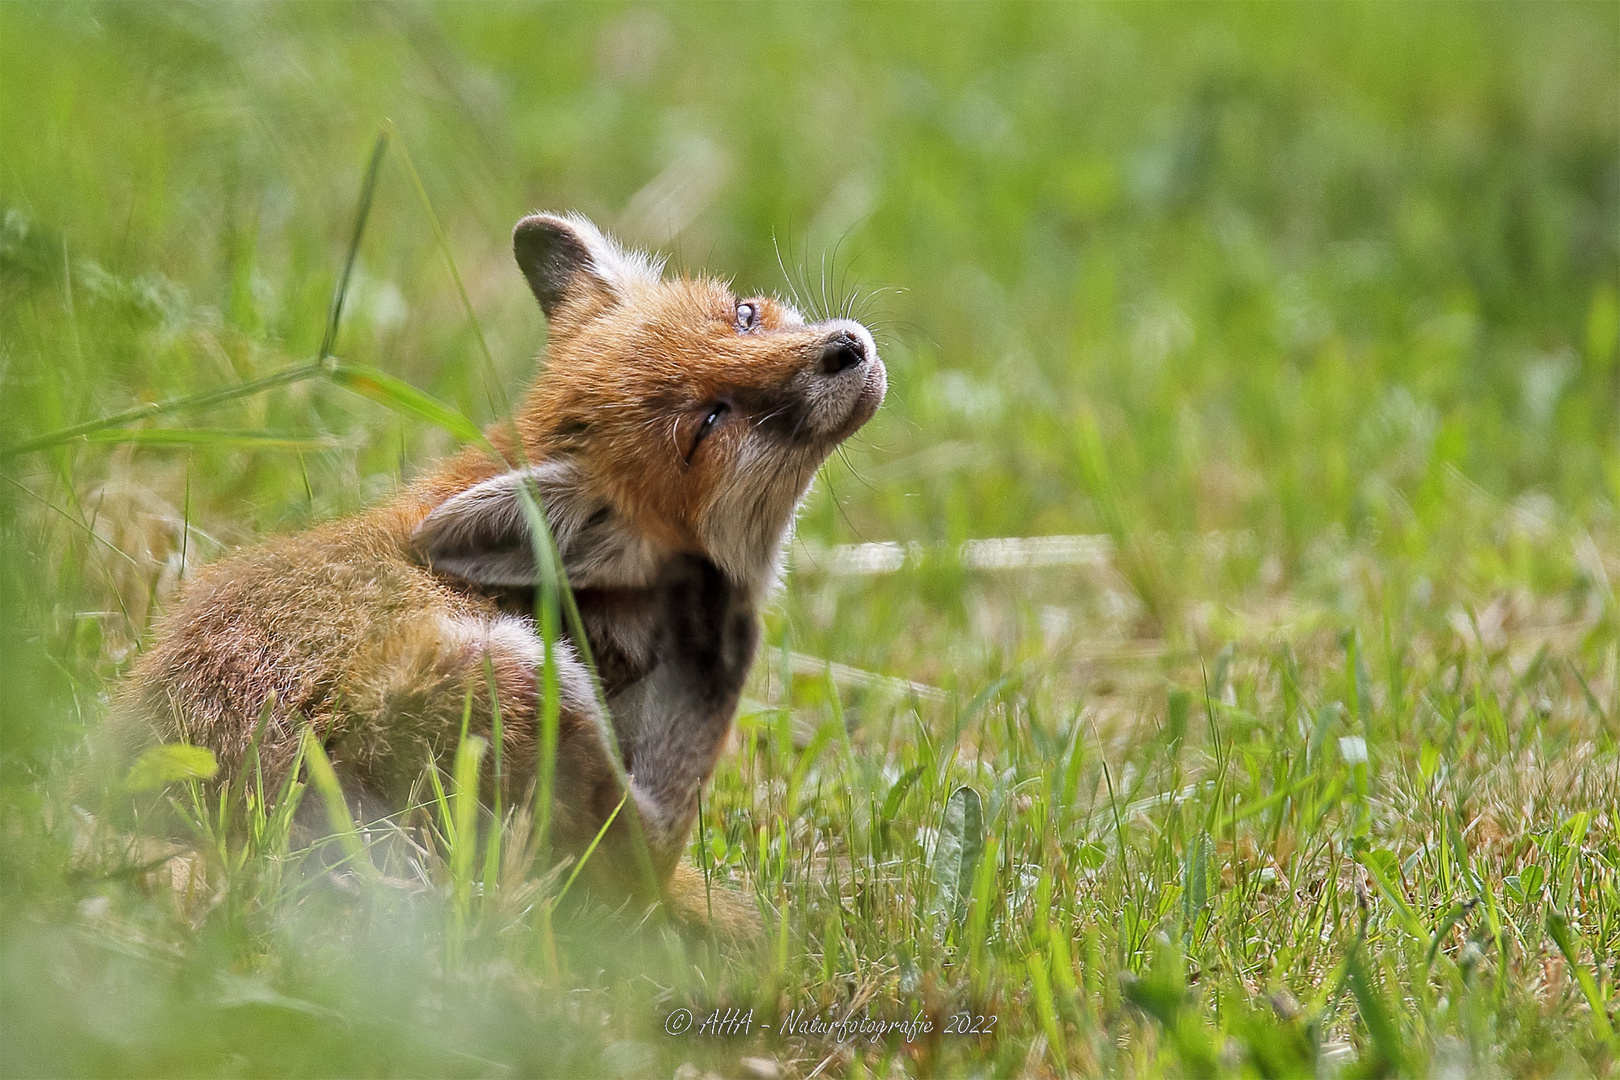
606	542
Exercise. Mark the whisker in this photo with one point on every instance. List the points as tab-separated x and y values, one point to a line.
847	296
793	290
771	415
843	455
838	503
824	310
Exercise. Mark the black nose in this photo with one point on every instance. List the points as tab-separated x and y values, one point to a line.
843	351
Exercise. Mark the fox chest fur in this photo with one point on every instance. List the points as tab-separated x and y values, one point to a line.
670	437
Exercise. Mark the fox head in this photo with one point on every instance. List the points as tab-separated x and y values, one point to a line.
672	416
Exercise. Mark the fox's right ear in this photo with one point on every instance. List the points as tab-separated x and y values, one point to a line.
482	534
564	255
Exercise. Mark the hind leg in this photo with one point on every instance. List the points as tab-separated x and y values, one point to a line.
411	708
408	706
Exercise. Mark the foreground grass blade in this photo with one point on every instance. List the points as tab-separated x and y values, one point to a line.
1376	1014
464	844
553	594
590	849
1041	985
163	765
338	818
217	438
190	402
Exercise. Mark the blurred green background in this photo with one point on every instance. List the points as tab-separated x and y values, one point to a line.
1313	309
1294	265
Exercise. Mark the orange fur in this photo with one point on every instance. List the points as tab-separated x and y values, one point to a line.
672	421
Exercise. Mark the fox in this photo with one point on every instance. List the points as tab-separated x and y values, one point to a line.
671	434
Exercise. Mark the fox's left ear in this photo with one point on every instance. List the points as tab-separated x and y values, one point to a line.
564	255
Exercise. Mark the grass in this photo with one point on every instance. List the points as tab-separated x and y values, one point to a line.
1312	313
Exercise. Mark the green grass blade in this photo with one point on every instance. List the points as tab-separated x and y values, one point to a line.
492	846
163	765
404	399
1041	986
362	214
1568	942
1377	869
212	438
1375	1013
464	809
590	849
338	817
189	402
500	404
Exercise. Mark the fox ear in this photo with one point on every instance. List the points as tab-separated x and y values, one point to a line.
564	254
481	535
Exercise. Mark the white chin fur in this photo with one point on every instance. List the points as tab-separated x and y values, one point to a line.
748	522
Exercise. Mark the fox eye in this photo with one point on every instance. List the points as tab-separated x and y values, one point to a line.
711	420
747	316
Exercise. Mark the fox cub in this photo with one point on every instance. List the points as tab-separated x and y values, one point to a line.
671	435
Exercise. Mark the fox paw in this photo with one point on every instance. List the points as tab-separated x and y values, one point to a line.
721	912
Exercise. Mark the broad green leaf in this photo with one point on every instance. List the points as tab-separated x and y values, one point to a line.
1177	708
1195	874
1525	886
957	852
1091	855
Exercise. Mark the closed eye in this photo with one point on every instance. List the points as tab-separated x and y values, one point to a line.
711	420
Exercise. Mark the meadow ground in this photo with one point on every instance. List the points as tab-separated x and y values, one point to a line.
1305	316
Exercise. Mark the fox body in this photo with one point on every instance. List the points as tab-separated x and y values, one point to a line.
671	435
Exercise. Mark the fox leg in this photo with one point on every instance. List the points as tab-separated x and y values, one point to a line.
411	709
407	708
674	721
706	637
